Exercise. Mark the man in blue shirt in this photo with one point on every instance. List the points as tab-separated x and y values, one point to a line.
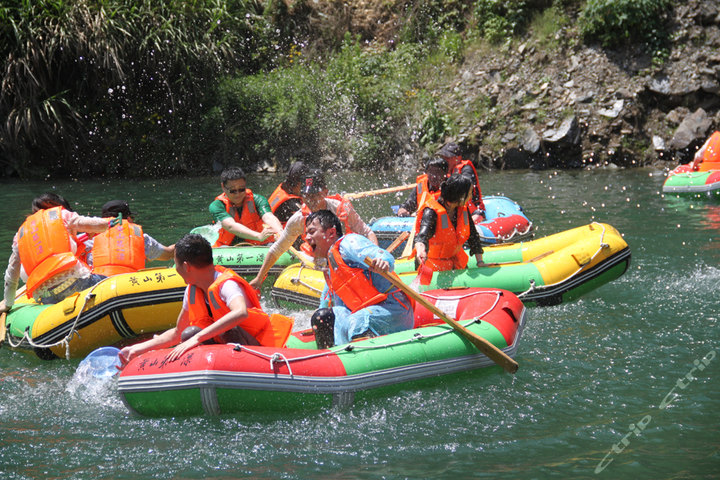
364	303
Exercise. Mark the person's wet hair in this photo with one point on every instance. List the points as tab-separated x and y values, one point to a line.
327	220
455	188
49	200
437	162
194	249
296	173
232	173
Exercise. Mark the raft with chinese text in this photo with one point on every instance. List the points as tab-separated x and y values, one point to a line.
219	379
118	309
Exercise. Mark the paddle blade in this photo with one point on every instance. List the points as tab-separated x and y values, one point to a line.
100	363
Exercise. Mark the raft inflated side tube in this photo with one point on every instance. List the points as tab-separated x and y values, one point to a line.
121	307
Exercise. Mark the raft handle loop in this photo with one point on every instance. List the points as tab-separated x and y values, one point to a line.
238	348
66	340
603	246
277	357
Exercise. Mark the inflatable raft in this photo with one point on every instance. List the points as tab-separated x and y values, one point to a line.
683	180
218	379
244	258
505	223
547	271
119	308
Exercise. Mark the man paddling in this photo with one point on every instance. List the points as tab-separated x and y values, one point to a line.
364	303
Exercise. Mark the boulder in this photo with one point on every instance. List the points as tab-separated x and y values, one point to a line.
694	127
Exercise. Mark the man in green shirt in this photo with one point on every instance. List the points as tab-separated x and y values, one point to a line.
241	213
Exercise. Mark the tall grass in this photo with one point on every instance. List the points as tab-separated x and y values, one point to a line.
82	80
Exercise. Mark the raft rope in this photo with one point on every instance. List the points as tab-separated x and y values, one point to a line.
66	340
603	246
298	281
278	357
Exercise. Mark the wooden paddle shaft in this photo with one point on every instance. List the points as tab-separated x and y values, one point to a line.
370	193
492	352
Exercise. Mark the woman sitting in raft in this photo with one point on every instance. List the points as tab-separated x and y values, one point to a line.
444	225
48	247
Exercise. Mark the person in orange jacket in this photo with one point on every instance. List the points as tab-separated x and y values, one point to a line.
708	156
364	303
218	306
49	248
435	172
286	199
456	164
443	226
124	248
243	215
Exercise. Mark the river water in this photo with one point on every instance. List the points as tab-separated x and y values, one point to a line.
623	383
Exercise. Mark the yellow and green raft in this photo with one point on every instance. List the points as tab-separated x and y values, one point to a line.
543	272
119	309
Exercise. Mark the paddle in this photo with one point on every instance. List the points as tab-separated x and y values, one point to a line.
410	242
301	257
370	193
492	352
100	363
400	238
3	328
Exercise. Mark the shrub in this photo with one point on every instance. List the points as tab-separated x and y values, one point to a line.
615	23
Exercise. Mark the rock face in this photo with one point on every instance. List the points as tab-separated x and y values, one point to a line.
571	105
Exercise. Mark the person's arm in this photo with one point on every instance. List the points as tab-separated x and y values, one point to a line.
425	233
355	249
409	206
697	159
238	312
475	245
12	278
358	225
292	231
262	206
165	339
240	230
155	250
77	223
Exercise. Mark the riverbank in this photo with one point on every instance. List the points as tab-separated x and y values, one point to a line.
370	84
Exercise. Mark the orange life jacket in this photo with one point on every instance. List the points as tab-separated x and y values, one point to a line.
121	249
248	217
445	248
352	285
343	212
711	156
267	330
45	247
476	183
423	187
280	196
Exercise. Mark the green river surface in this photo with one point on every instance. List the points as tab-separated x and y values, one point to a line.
623	383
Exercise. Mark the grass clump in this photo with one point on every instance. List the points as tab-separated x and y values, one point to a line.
615	23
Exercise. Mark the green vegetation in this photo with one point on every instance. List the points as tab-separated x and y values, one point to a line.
617	22
152	87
